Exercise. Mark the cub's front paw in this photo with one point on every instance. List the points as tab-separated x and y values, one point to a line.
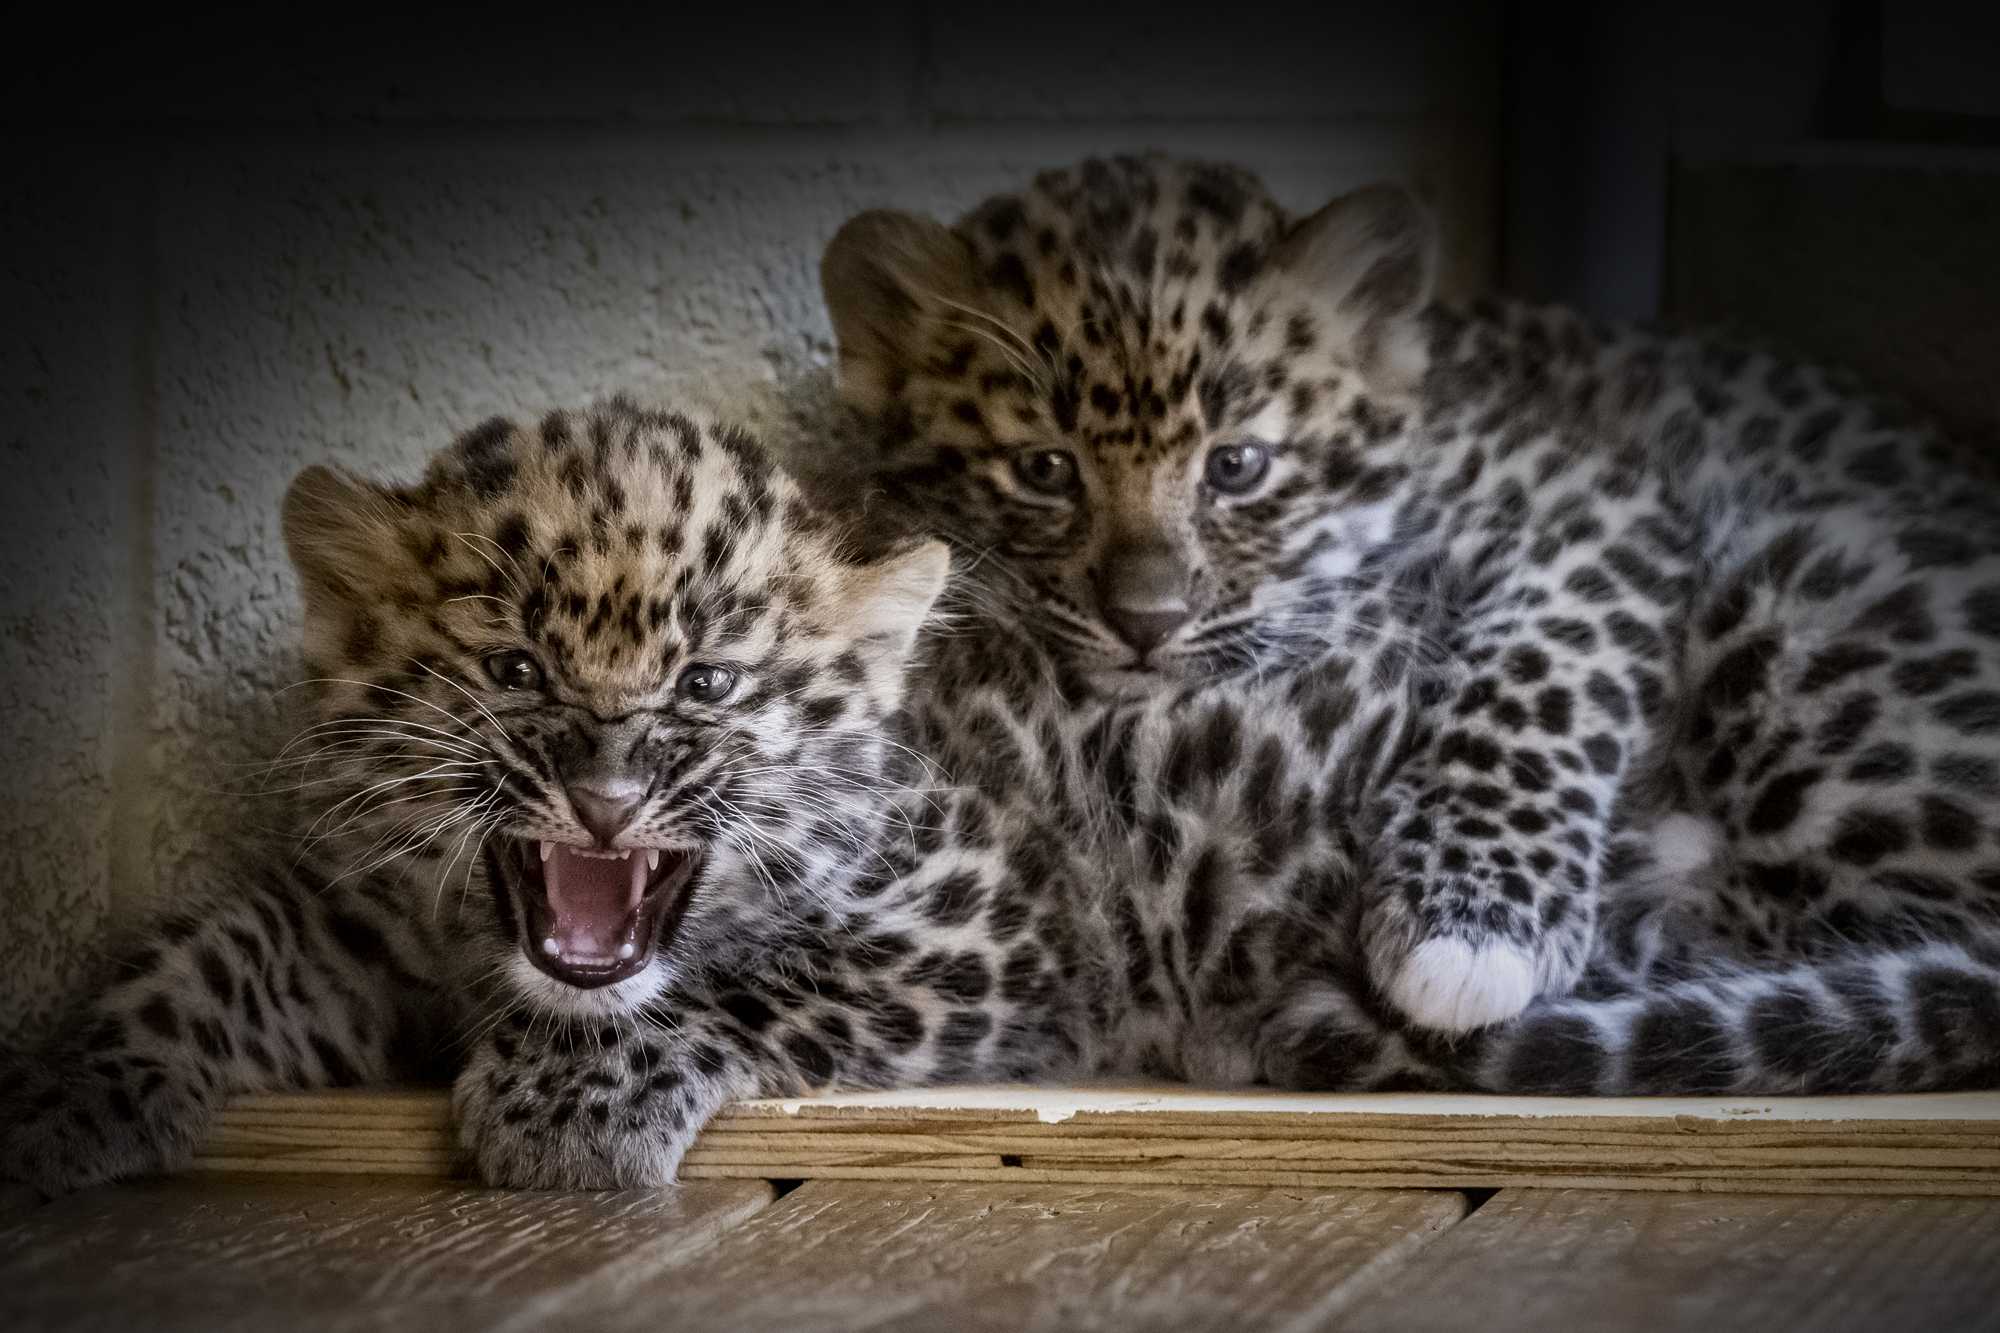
37	1151
1444	972
1453	985
564	1123
60	1134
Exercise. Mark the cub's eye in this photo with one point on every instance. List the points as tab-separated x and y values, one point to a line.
1235	468
1047	471
514	671
703	684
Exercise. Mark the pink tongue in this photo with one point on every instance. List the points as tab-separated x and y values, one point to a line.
592	899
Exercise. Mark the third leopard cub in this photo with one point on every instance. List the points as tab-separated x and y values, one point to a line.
626	810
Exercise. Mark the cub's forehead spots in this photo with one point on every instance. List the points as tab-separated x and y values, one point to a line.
1129	284
621	538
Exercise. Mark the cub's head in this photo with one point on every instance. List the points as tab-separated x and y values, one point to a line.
600	687
1167	416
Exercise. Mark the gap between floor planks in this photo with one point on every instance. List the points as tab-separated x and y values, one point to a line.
318	1253
1946	1144
235	1252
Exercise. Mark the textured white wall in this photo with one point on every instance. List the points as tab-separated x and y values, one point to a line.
358	267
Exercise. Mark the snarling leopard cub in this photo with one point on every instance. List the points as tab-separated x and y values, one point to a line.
624	813
589	696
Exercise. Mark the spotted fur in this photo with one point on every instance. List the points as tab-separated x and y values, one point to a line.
986	878
979	879
1620	577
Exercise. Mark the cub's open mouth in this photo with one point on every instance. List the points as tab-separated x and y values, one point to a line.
591	918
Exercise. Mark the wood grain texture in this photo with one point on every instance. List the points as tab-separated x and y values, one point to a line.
262	1252
1942	1145
965	1257
1579	1259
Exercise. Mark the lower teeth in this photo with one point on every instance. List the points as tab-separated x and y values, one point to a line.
626	951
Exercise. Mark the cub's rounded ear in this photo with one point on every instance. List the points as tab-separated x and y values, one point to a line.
1371	259
338	533
888	599
880	274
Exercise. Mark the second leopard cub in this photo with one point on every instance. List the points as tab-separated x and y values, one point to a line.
625	816
1185	434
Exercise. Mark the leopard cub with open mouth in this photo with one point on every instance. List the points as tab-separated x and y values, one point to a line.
591	695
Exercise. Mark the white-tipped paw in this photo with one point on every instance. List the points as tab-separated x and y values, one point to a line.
1452	986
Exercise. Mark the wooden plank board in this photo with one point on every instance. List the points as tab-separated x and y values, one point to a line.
1586	1259
230	1252
968	1257
1946	1144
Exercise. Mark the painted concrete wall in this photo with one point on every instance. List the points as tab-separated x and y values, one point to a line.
354	263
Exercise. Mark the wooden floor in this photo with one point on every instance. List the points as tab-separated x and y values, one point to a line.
298	1253
1149	1210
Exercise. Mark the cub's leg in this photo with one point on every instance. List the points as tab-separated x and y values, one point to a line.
1484	889
285	984
610	1104
895	998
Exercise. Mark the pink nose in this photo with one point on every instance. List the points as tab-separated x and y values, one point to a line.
606	811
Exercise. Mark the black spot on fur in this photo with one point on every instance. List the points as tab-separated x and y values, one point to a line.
1958	1017
1864	837
1933	548
1577	635
1679	1047
215	974
1920	676
361	940
1552	710
1903	615
339	1072
1603	752
1971	712
1947	825
748	1010
1559	1055
1780	802
1794	1039
159	1017
1849	723
814	1062
1882	762
1982	612
1525	664
1741	673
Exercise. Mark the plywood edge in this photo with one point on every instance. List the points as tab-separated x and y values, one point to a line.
1947	1143
1611	1179
1054	1105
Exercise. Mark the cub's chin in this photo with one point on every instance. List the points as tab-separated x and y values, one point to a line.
594	930
1127	682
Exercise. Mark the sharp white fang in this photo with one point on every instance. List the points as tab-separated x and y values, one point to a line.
548	849
627	949
652	859
550	947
